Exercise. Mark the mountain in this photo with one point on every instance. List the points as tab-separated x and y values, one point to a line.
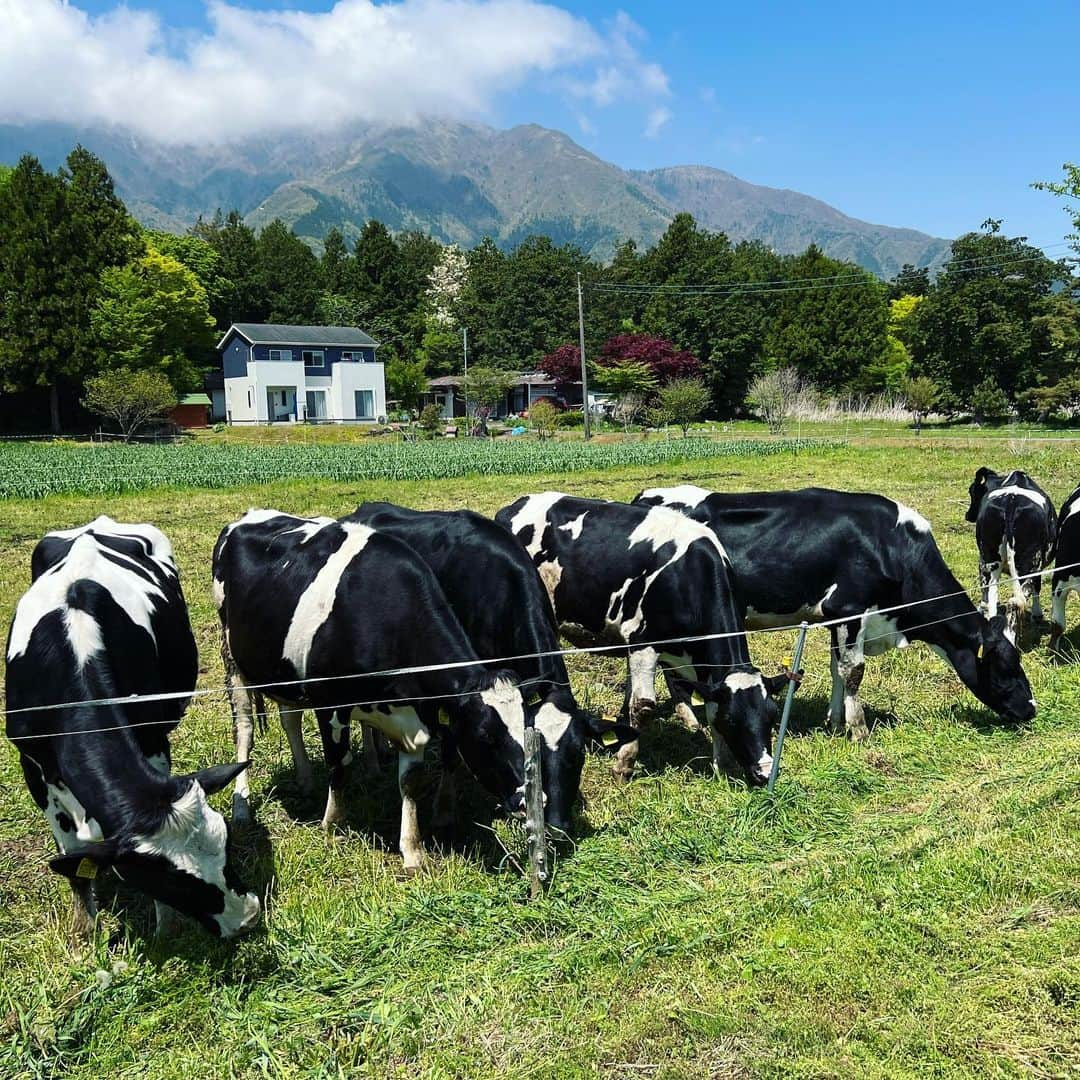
460	182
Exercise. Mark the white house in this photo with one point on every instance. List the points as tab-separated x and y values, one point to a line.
289	374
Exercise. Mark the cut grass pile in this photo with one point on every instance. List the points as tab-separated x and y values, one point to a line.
903	909
33	470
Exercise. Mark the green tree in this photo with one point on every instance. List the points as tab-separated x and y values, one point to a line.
153	313
910	281
1068	189
625	377
977	323
542	418
406	381
920	396
129	398
203	260
245	299
1056	333
60	234
334	263
682	402
989	403
290	275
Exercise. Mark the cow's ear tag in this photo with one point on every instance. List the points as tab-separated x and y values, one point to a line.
696	699
979	653
87	868
788	661
609	738
444	718
535	699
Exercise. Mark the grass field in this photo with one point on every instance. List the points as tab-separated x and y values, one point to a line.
906	908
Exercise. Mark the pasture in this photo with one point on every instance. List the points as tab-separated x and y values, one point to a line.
910	907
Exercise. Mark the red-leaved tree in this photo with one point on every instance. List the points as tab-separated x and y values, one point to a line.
663	359
563	365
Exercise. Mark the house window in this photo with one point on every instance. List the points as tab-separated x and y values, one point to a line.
365	404
316	404
312	358
281	354
249	399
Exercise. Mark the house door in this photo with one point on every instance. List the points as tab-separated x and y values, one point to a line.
280	403
316	404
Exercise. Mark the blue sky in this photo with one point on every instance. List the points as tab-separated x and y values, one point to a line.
933	116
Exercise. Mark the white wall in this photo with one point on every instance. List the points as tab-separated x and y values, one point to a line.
340	389
237	408
349	378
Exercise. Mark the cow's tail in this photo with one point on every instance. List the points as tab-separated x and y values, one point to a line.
1019	596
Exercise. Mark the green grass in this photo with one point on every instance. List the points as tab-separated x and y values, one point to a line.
908	908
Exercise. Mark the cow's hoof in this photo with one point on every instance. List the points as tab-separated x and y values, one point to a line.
835	724
858	733
412	868
686	716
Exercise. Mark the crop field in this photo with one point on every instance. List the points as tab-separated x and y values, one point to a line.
905	908
33	470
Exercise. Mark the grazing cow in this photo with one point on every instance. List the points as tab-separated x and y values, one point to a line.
1067	566
1015	527
105	617
646	578
820	555
497	595
308	606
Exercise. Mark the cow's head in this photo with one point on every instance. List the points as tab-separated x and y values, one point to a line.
488	726
980	487
567	733
993	673
178	856
741	708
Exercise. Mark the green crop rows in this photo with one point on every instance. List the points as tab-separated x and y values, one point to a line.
34	470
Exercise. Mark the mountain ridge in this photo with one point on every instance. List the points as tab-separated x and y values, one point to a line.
461	182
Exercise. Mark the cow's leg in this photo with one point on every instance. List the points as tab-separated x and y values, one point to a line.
641	697
988	581
852	668
243	732
682	696
83	911
836	702
292	721
1059	598
409	773
334	729
444	814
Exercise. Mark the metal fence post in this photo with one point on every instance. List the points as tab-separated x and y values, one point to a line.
534	814
785	716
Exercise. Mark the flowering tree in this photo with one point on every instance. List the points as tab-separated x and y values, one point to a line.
660	356
445	285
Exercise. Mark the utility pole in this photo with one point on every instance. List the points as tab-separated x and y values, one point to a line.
581	343
465	384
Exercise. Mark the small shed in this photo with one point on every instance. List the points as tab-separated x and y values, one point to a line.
193	411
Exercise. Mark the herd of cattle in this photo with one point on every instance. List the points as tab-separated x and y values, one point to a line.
394	619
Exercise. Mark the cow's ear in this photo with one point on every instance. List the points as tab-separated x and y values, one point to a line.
774	684
981	475
218	777
609	737
86	862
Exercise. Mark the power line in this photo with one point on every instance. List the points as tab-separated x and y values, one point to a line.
846	279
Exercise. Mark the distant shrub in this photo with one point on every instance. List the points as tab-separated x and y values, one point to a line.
571	418
989	405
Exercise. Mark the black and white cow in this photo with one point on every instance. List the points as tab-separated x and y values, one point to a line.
497	595
308	605
105	617
1066	578
648	577
818	555
1015	528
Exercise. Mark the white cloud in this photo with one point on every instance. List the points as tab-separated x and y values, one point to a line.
656	120
261	71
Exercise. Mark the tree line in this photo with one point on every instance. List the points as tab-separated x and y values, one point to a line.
85	289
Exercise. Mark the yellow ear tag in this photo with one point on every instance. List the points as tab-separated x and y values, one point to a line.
87	869
788	661
534	700
979	654
444	718
609	738
696	699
